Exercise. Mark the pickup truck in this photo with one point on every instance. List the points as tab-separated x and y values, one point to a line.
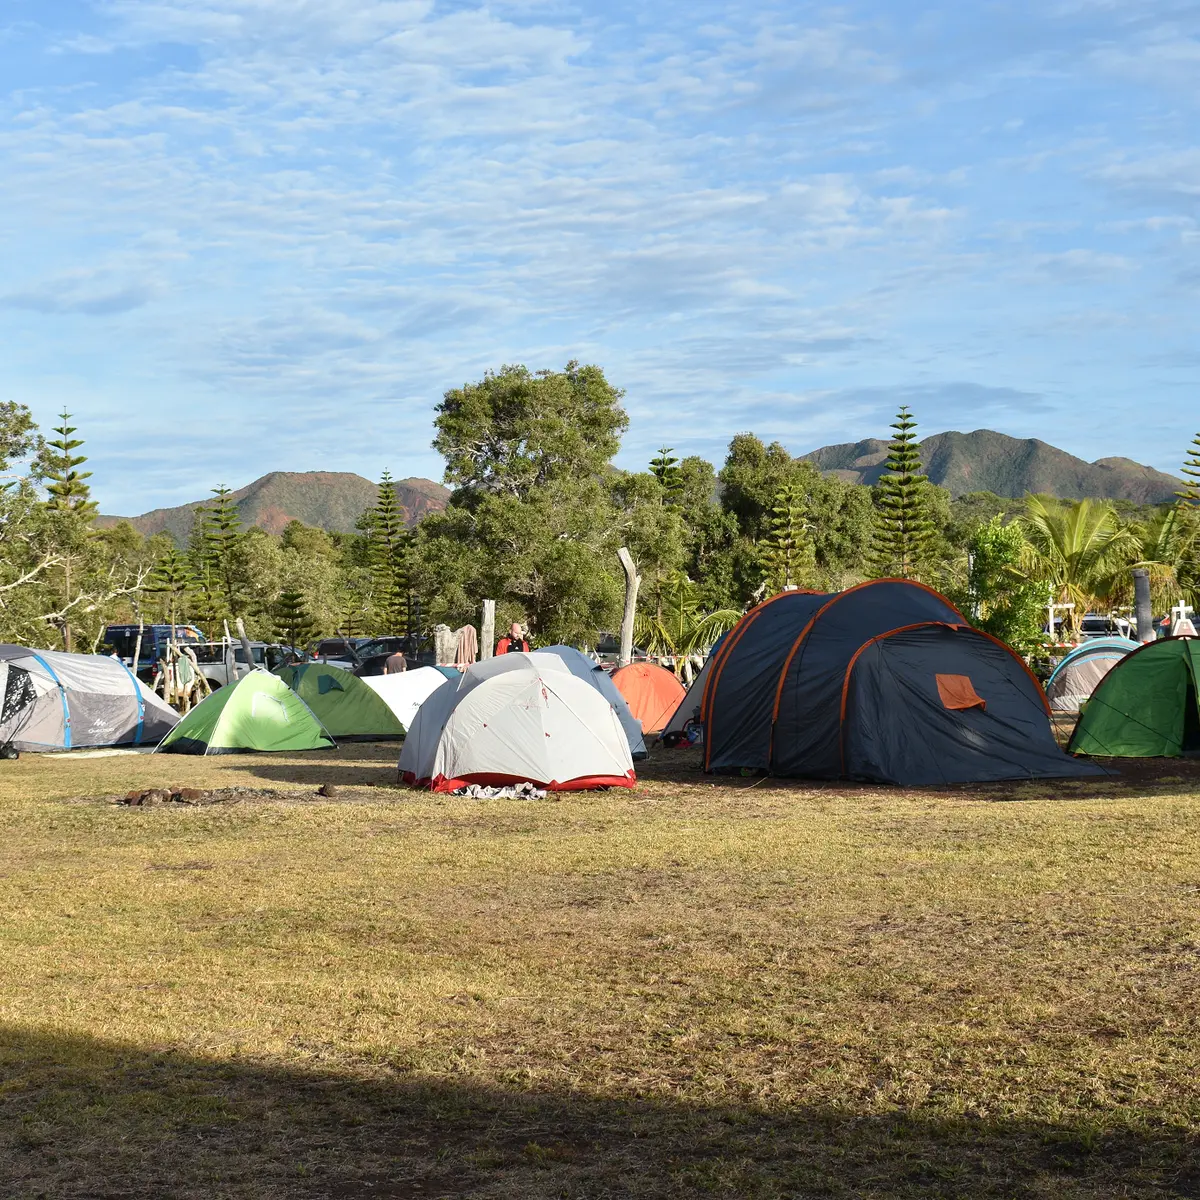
212	659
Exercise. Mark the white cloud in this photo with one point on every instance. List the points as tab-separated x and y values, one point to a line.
337	208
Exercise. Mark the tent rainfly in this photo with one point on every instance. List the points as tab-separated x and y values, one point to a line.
50	700
886	681
1079	674
517	718
583	668
652	692
259	712
343	703
405	691
1146	706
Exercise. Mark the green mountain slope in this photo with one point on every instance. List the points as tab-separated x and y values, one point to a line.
331	500
986	461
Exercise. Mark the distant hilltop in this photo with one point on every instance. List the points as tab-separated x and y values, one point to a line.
986	461
330	500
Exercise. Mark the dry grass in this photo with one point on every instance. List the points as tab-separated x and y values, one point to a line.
728	988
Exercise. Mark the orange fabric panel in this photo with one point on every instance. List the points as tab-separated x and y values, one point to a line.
652	692
957	691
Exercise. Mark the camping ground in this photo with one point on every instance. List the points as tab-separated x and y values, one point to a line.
728	987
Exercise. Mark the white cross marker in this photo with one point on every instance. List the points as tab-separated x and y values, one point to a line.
1181	625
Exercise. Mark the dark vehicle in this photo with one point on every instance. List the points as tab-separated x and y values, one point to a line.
340	651
373	654
121	640
1094	625
608	650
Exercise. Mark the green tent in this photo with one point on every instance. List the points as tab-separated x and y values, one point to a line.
348	708
1145	707
259	712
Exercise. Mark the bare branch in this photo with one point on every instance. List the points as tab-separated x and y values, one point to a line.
50	560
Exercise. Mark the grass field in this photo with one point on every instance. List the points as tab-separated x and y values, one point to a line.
729	988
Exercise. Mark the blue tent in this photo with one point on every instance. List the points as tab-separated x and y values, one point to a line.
885	681
579	664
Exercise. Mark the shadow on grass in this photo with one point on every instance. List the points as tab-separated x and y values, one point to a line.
81	1118
346	774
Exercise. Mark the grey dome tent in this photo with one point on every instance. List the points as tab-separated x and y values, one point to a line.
689	706
886	681
583	668
1079	674
50	700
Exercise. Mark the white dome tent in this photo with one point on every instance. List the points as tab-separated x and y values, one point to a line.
517	718
405	691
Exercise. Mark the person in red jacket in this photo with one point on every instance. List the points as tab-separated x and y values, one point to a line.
514	643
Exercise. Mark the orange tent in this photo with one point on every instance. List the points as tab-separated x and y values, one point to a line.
652	693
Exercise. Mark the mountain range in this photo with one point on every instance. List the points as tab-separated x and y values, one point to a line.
986	461
332	500
981	461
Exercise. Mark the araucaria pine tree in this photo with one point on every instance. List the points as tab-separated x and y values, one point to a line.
903	529
173	581
216	539
786	553
1190	495
390	541
293	625
71	510
66	488
665	468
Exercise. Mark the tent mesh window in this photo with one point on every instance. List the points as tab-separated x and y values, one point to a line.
18	694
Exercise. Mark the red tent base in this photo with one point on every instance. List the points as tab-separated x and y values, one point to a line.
585	783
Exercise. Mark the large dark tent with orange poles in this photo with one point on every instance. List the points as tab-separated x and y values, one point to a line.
886	681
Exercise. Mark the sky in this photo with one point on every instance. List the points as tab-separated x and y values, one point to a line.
248	235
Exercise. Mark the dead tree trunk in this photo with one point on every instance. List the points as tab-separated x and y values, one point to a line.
487	632
632	582
241	628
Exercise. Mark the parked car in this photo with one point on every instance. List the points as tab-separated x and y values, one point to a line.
1095	625
122	640
608	650
373	654
340	651
212	658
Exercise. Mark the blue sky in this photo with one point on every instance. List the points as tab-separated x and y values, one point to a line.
247	235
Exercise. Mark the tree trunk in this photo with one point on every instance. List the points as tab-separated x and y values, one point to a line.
66	629
444	646
632	583
487	632
241	628
1141	602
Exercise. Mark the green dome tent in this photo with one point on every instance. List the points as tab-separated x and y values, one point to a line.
1145	707
259	712
342	702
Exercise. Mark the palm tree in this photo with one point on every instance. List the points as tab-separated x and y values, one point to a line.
680	630
1166	546
1079	548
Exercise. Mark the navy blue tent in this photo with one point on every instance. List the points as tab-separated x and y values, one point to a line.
886	681
579	664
